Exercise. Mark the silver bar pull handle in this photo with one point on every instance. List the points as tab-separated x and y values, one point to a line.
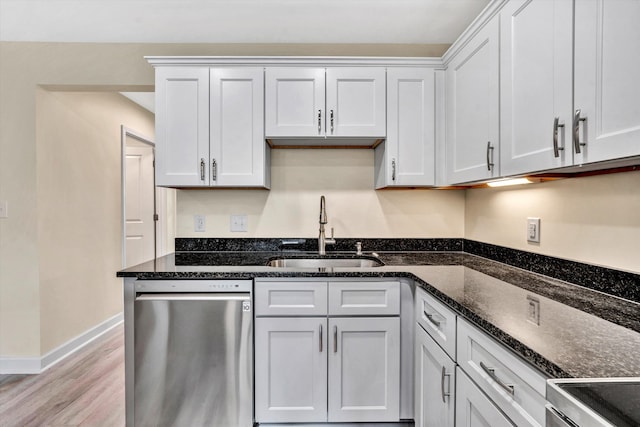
319	121
393	169
576	131
442	376
320	337
431	319
214	170
556	148
202	169
335	339
490	163
509	388
331	117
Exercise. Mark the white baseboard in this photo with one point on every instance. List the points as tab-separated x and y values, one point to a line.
36	365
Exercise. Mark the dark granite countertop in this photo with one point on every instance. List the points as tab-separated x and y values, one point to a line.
580	333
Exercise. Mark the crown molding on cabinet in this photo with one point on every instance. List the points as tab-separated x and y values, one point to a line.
293	61
491	10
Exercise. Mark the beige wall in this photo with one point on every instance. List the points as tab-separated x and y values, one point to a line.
79	208
592	219
85	66
354	208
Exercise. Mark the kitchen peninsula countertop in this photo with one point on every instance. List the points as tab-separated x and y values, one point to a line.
579	333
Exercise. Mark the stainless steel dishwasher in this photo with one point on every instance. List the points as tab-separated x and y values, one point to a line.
193	353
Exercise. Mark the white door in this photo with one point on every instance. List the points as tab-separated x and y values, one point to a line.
536	58
182	127
237	146
356	102
291	369
435	383
607	88
410	143
364	369
294	102
474	408
472	93
139	204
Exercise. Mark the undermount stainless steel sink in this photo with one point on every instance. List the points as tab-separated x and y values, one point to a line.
325	262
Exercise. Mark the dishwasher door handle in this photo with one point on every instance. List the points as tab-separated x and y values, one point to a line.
194	296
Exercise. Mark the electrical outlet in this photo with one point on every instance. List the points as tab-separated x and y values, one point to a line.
533	230
239	223
533	310
199	224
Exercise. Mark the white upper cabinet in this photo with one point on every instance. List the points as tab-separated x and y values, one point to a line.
182	127
294	102
209	127
535	86
237	146
472	96
356	102
607	88
318	102
407	157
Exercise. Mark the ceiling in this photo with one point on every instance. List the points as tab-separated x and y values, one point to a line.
237	21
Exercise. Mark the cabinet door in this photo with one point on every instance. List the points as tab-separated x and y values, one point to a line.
294	102
536	85
291	369
182	127
472	79
364	369
607	89
237	127
410	144
356	102
435	382
473	408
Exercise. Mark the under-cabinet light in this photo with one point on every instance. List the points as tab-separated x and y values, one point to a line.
514	181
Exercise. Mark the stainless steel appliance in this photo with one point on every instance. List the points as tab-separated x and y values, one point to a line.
193	357
593	402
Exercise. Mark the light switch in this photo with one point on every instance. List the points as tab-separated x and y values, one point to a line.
199	224
4	209
239	223
533	230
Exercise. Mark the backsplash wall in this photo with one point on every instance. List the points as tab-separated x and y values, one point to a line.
345	177
593	219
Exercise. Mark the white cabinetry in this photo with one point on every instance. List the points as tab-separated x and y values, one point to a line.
407	157
474	408
435	355
536	85
435	383
182	126
209	127
607	89
317	102
514	386
472	94
291	369
356	357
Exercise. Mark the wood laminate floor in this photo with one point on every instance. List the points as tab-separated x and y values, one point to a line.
85	389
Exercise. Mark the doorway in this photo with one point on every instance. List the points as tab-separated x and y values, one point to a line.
139	200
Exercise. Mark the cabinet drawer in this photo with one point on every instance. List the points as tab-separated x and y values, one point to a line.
516	388
474	408
364	298
438	320
290	298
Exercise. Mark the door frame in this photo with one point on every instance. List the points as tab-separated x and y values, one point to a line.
124	133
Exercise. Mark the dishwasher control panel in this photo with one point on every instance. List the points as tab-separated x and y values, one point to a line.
193	285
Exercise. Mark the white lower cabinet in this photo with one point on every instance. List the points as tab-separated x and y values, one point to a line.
435	383
474	408
320	368
364	369
291	369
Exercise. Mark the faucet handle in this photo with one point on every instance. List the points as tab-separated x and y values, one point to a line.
358	248
331	233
